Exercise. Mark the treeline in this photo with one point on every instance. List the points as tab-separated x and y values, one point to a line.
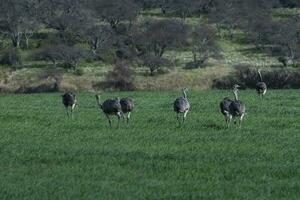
69	31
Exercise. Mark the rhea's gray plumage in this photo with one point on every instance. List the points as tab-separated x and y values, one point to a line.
110	107
69	100
237	108
261	87
182	105
127	106
224	108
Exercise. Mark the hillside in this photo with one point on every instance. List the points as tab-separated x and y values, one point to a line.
233	51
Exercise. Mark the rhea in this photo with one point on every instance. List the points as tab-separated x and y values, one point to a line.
224	108
261	87
236	107
182	106
110	107
127	106
69	100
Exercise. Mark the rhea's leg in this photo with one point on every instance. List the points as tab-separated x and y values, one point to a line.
178	118
184	115
241	119
229	120
123	116
128	117
72	109
226	120
263	94
119	117
107	116
67	111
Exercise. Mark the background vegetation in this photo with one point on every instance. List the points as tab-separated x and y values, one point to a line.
63	45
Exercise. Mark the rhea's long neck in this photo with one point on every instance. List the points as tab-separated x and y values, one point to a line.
184	94
99	102
235	95
260	76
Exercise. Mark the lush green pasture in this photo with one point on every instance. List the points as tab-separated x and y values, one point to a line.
45	155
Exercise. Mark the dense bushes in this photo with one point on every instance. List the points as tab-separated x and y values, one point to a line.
11	57
70	56
247	77
120	78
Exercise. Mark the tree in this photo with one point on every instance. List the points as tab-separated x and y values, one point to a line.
70	55
153	62
121	77
203	45
115	11
259	31
232	14
155	37
16	20
290	3
69	17
286	36
224	14
30	27
98	37
186	9
11	57
158	35
48	53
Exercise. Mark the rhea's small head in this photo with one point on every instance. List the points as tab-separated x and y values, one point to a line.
98	98
236	88
185	89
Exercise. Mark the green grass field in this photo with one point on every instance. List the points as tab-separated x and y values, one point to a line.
45	155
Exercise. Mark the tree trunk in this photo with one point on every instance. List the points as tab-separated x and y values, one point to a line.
16	39
27	41
194	55
219	30
27	36
94	44
162	50
292	55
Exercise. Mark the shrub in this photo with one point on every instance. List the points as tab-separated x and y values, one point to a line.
247	77
154	63
121	78
79	72
44	86
69	55
194	65
11	57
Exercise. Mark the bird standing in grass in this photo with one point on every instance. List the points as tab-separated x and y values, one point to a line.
69	100
261	87
182	105
110	107
127	106
236	107
224	108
